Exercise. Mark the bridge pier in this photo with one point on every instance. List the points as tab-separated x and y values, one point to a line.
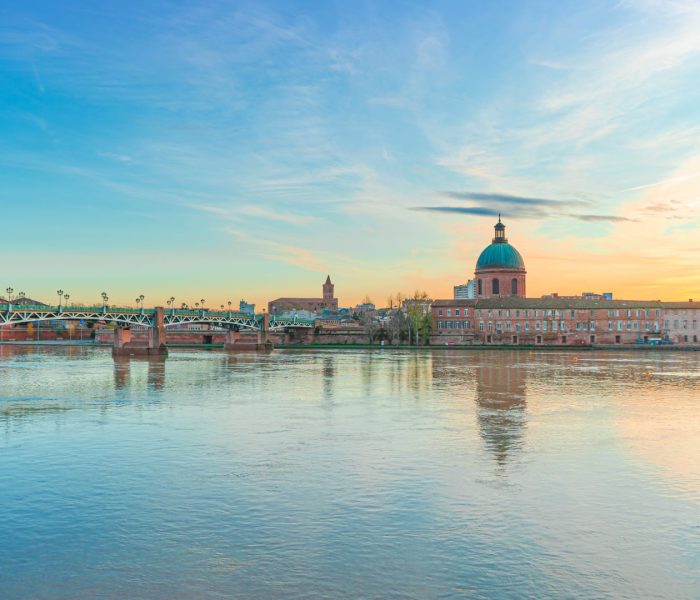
261	343
155	346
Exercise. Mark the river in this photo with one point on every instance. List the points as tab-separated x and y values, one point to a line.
348	474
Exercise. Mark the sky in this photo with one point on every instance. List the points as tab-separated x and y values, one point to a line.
226	150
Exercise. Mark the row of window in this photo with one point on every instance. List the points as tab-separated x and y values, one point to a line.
552	325
542	312
496	287
677	324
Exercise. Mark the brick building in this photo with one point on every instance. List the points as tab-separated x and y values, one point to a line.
501	314
313	305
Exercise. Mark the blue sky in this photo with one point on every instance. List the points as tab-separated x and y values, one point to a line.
233	149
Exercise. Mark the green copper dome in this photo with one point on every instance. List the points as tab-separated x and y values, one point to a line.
500	255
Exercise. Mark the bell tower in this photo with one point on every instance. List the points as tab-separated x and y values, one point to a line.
328	290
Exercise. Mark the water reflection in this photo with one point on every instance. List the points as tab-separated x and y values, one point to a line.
496	382
501	404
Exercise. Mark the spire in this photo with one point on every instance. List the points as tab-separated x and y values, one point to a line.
328	279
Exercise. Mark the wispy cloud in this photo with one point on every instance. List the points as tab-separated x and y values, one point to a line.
669	181
511	199
600	218
518	207
237	213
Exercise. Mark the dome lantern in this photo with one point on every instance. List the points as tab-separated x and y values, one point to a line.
500	229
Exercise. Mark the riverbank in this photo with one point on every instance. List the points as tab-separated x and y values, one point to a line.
528	347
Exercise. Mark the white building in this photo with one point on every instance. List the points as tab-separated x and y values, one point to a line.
466	291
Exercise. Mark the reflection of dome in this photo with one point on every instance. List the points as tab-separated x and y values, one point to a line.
500	255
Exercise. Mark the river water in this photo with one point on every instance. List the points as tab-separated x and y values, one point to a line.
334	474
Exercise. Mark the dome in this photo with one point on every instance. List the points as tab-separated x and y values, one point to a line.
500	255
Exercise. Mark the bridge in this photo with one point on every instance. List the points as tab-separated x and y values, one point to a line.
156	320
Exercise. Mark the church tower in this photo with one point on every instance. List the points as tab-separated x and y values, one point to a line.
328	290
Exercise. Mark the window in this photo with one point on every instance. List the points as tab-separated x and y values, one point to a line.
495	287
554	325
507	325
537	324
610	325
481	325
517	314
514	287
439	312
592	326
440	325
544	325
449	312
527	325
499	326
490	325
578	326
619	326
562	326
456	312
479	287
517	327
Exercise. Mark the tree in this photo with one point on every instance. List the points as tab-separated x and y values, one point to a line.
419	316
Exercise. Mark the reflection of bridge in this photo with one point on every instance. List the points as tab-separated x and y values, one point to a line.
155	320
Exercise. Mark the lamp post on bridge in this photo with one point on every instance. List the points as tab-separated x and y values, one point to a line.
9	294
172	302
70	331
60	299
141	297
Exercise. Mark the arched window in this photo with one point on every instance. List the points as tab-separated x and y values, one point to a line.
481	291
514	286
495	287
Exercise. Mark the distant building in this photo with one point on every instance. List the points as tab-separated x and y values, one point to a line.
246	308
583	296
365	307
501	314
466	291
314	305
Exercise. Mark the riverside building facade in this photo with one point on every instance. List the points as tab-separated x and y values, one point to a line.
501	314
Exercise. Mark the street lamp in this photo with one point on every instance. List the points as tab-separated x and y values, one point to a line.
9	294
202	301
172	301
60	296
65	297
196	304
104	299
